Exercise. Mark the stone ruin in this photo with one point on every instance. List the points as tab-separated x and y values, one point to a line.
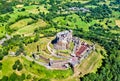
62	40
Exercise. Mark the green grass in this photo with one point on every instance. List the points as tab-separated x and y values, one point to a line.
35	11
42	72
2	31
64	51
21	23
29	29
115	31
16	14
72	21
7	65
82	1
28	9
36	70
116	14
92	62
33	46
90	6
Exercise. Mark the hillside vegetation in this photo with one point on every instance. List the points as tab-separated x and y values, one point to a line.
32	23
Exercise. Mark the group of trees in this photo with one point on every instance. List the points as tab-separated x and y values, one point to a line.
3	52
14	77
101	12
17	66
115	2
5	7
116	9
4	18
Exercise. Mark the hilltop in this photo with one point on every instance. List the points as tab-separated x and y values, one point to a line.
42	40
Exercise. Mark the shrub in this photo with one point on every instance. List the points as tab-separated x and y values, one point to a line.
23	9
22	77
28	76
17	66
14	67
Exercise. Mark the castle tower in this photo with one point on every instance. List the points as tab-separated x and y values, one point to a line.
62	40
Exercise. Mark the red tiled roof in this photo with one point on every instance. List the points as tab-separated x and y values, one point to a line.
81	50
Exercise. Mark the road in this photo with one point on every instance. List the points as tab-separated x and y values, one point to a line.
5	39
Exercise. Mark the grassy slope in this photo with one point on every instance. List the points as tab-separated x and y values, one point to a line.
42	46
32	48
35	69
2	31
7	65
42	72
29	29
21	23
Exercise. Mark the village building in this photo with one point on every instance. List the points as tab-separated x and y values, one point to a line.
82	9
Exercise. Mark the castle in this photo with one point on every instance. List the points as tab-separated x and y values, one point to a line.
62	40
80	51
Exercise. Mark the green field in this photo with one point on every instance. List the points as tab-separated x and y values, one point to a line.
35	70
2	31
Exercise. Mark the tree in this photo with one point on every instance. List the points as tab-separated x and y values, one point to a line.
13	77
22	77
17	66
4	78
0	65
20	67
36	38
29	76
1	56
14	67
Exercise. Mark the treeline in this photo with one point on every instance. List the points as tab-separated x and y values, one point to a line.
101	12
19	41
5	7
14	77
